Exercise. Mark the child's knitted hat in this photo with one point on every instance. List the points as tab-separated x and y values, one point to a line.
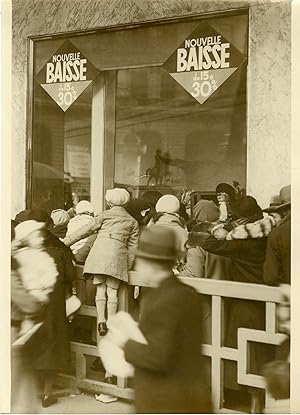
167	204
117	196
84	206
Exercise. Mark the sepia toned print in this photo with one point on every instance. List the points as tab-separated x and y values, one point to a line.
151	207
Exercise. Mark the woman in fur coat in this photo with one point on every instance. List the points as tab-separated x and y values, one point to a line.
247	259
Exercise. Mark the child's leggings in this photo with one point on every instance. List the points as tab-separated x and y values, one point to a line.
107	289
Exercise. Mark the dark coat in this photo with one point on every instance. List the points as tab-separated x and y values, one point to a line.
169	374
247	256
50	346
277	268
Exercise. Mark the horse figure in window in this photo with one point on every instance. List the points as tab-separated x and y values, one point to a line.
160	171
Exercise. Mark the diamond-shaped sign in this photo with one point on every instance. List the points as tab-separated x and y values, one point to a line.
203	62
66	75
64	94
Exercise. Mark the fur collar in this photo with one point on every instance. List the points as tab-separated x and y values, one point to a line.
258	229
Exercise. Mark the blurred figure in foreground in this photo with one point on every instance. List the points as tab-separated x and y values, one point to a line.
50	346
169	374
26	306
277	372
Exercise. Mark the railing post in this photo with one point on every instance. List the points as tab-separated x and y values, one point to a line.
216	361
123	305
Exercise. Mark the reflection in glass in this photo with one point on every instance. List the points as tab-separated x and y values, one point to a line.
61	151
167	140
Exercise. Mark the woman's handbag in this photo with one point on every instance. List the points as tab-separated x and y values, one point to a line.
73	304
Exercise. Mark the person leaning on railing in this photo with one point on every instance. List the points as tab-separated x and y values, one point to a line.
247	256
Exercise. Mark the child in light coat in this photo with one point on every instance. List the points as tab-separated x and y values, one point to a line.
167	214
110	257
84	214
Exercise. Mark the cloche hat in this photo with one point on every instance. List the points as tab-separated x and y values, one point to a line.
246	207
226	188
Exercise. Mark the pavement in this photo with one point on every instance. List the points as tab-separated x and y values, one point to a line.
87	404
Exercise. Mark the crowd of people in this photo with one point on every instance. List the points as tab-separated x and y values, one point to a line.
163	238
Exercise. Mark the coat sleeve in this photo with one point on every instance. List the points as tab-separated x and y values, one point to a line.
222	247
22	298
84	231
157	354
132	243
83	252
195	263
272	265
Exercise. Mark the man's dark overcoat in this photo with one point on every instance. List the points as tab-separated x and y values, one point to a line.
170	375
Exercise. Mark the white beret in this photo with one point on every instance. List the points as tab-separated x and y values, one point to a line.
60	217
117	196
167	204
84	206
27	227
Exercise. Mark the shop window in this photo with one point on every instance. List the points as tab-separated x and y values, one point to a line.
61	152
166	140
135	123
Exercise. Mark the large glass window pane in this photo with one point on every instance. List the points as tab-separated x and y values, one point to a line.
61	151
155	133
167	140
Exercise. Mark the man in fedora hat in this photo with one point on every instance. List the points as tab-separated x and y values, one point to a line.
277	267
169	374
280	205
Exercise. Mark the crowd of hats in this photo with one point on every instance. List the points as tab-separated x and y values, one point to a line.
158	241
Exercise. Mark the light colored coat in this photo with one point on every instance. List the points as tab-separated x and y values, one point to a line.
111	253
74	225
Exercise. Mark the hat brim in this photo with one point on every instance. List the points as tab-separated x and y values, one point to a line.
276	208
141	254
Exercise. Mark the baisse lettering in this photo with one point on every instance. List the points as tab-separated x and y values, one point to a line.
203	62
199	58
66	68
66	75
